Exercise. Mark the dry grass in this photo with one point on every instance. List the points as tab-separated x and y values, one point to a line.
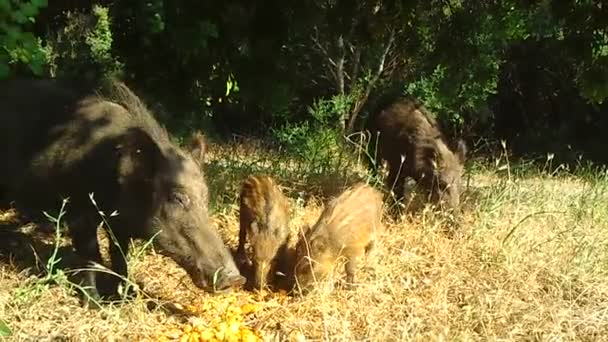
527	263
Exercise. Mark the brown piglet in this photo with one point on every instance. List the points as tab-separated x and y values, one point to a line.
264	218
406	135
347	227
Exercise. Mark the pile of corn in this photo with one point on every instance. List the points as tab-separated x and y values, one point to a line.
227	326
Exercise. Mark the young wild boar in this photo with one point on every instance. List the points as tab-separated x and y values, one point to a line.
59	140
264	217
408	138
347	227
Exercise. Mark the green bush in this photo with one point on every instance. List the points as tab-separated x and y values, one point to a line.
17	45
83	46
318	141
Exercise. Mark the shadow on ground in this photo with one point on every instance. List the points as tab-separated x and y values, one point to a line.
27	248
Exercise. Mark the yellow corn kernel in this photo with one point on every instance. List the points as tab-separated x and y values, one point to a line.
249	308
194	337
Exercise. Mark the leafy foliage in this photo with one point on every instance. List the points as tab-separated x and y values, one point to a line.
82	47
19	47
239	65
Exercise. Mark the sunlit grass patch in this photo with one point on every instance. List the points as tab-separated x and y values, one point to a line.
526	262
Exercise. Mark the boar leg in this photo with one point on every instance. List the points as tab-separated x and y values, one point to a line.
242	236
119	247
396	181
118	253
84	240
373	155
240	251
370	247
351	266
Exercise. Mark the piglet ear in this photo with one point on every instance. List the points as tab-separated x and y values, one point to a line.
139	157
198	147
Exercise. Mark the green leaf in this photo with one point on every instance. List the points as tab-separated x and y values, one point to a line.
19	17
37	68
28	9
5	6
5	331
13	32
39	3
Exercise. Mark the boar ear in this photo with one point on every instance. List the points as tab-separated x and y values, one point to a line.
139	156
198	147
461	150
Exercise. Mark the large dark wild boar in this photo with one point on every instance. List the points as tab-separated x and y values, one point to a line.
409	139
348	227
59	141
264	217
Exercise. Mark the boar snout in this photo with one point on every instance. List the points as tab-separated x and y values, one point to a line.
229	280
261	269
222	280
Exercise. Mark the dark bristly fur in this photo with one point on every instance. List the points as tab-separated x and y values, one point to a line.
60	141
406	135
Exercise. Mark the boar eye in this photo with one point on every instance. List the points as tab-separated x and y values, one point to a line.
179	198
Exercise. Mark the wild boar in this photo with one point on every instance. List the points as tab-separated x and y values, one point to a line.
264	217
348	227
408	138
60	141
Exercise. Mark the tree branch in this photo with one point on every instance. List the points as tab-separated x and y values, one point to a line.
340	66
356	63
387	49
335	69
370	85
323	50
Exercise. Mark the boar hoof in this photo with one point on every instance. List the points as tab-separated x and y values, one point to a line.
123	292
91	299
120	289
349	286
